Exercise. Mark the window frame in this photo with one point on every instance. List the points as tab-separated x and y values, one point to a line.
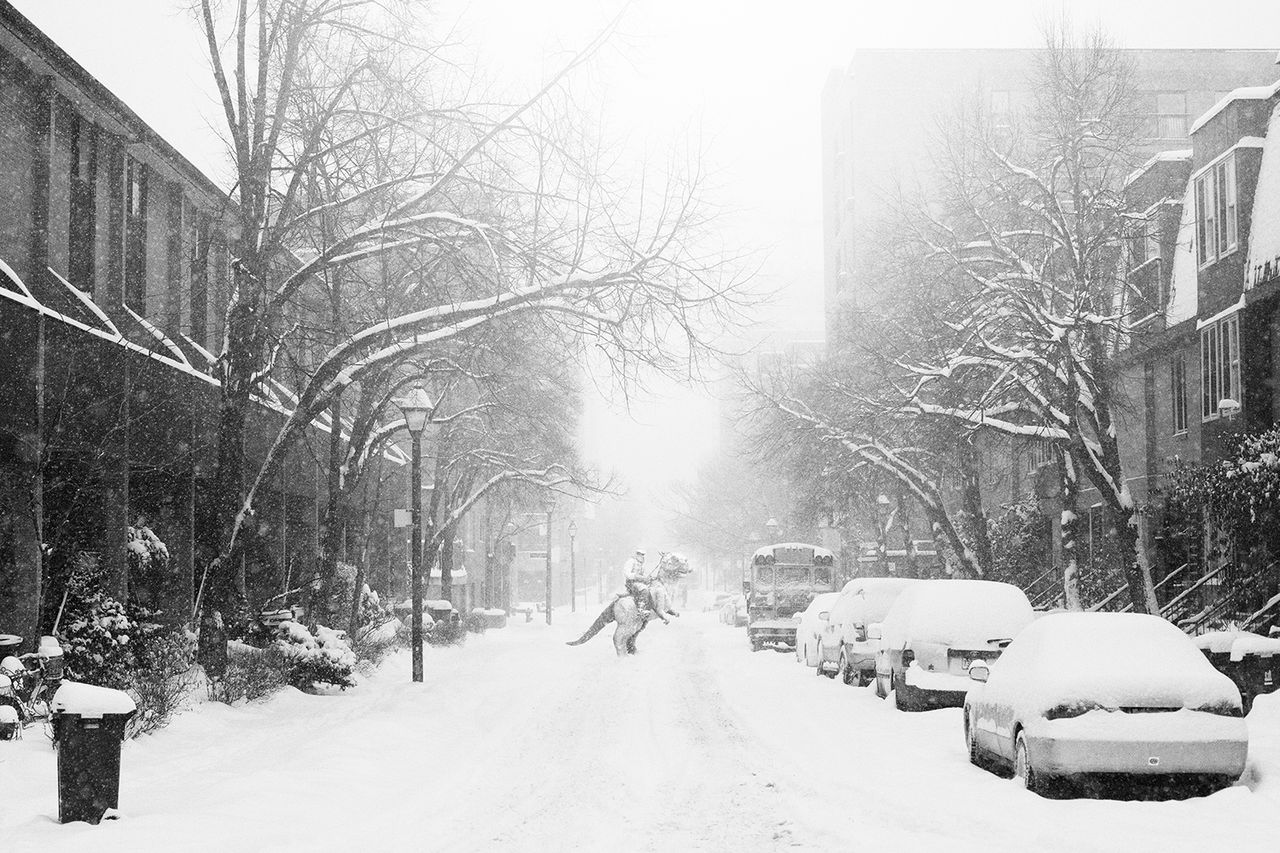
1178	392
1217	211
1220	366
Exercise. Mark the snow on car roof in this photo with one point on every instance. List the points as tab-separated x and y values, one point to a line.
1117	660
767	550
960	613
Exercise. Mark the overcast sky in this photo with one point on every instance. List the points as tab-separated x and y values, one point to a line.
743	77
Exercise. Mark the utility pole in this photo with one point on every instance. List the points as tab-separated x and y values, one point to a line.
549	504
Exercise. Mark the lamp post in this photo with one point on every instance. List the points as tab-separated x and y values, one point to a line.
573	569
549	504
417	408
771	529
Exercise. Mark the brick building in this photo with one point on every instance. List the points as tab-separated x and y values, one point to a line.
113	286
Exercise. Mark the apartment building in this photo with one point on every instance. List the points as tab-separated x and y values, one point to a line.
114	273
883	117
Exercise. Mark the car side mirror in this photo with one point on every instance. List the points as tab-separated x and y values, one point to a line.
824	614
874	632
860	632
979	671
746	587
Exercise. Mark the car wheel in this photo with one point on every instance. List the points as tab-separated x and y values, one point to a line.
798	658
1024	771
755	645
901	700
971	741
882	686
846	674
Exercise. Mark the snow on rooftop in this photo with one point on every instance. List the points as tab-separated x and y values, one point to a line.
1264	233
1244	93
1181	155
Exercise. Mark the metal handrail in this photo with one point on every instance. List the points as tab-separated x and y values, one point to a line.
1257	616
1178	599
1104	602
1164	580
1052	570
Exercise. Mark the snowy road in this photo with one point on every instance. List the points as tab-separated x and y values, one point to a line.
518	742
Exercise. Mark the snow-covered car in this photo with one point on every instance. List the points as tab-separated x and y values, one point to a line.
844	648
720	600
734	611
935	630
809	631
1105	693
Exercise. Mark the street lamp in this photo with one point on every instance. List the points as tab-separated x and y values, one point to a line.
573	569
417	408
549	504
772	527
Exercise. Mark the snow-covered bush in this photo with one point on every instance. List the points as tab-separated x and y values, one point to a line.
1020	543
251	674
309	660
377	629
148	560
125	647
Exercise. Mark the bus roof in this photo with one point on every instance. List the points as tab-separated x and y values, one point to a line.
767	550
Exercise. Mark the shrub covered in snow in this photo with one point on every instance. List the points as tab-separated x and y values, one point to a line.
113	645
309	660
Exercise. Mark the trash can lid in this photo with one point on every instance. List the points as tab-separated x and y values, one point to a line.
88	700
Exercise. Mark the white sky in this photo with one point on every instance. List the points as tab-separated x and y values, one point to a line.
743	76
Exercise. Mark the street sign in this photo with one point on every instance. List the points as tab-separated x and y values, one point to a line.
401	517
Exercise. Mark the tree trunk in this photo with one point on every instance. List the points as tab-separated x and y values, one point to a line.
973	518
332	520
908	544
1069	526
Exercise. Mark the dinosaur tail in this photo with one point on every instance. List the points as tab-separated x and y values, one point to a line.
605	617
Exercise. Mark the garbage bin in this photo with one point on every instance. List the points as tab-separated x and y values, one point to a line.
88	727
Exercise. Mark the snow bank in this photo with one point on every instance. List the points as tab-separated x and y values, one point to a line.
1112	660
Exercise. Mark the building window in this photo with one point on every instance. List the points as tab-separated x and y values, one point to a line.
1178	383
1219	365
1217	222
82	222
200	229
1039	454
173	256
1170	119
135	236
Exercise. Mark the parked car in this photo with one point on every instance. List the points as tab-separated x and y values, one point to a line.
734	611
935	630
844	648
809	630
1105	693
720	600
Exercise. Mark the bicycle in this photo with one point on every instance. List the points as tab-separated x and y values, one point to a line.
28	683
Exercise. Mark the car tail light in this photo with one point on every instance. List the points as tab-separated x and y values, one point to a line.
908	658
1222	709
1071	709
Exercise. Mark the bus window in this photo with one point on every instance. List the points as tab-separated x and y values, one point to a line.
822	575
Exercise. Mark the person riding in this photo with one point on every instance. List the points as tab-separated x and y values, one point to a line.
638	580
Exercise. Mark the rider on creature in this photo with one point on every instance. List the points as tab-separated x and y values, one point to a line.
638	581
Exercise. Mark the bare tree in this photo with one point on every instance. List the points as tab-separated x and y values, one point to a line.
483	229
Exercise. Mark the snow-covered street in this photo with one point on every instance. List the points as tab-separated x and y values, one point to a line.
519	742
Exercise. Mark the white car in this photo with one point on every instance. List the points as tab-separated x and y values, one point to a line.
810	627
1105	693
844	647
935	630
